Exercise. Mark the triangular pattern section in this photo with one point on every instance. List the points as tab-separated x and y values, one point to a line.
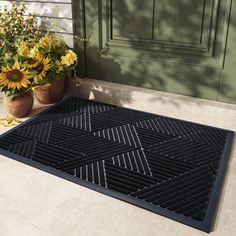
209	136
11	139
99	123
81	121
187	194
125	134
124	180
95	148
124	116
164	167
59	133
39	131
189	151
170	126
150	138
135	160
94	173
25	149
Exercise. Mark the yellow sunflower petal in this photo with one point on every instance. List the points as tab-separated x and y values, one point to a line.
16	66
14	77
45	66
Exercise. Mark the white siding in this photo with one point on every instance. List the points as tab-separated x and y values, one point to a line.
56	12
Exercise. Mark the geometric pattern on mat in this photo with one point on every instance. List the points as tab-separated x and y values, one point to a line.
165	162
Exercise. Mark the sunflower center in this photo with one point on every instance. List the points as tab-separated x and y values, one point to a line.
40	68
14	75
31	61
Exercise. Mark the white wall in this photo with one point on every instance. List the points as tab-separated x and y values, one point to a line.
57	12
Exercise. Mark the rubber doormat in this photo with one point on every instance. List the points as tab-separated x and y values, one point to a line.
168	166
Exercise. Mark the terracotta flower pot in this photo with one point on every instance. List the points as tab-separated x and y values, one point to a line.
20	105
50	93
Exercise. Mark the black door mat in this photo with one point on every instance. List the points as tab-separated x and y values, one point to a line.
168	166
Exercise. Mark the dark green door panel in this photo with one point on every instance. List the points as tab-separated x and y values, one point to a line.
180	21
177	78
170	45
227	92
131	22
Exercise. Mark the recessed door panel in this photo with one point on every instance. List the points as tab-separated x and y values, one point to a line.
132	19
169	45
179	20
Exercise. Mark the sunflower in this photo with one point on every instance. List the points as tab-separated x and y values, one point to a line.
33	62
23	50
43	67
14	77
26	49
48	41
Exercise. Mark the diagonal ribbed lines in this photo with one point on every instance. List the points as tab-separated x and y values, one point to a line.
59	133
187	194
135	160
25	149
95	149
81	105
35	150
209	136
39	131
94	173
163	167
124	180
89	143
49	132
11	138
69	105
57	116
101	123
180	128
169	126
80	120
124	116
188	150
54	155
96	107
34	121
149	193
149	138
125	134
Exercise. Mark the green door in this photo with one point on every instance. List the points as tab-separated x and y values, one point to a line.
170	45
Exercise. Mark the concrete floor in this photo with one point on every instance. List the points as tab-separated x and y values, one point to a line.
36	203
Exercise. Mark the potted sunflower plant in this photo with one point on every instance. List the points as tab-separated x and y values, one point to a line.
16	32
54	62
15	82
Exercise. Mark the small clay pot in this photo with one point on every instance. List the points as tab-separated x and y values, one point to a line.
50	93
20	105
